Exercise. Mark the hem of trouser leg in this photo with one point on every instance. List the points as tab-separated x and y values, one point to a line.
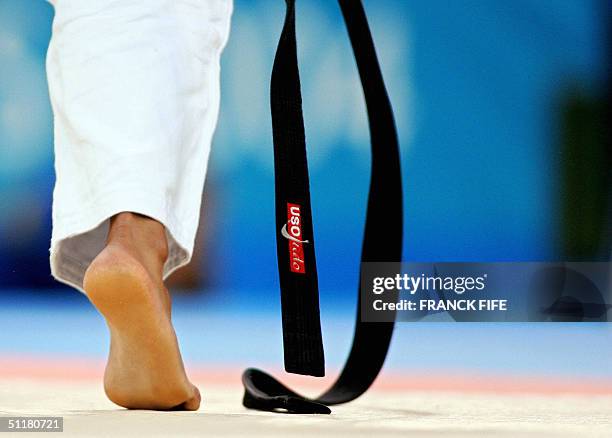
69	269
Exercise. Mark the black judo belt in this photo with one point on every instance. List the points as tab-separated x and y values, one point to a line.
382	241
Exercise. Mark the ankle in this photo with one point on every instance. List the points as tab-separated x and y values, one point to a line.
140	233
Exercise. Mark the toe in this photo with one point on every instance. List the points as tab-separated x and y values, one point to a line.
193	403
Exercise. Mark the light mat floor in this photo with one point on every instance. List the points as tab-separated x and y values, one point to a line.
87	412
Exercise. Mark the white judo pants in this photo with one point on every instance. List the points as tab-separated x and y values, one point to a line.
134	86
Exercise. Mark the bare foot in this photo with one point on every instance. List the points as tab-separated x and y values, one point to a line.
124	282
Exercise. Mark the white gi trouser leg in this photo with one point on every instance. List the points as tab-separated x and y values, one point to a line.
134	86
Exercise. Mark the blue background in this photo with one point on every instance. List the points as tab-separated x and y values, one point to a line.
476	86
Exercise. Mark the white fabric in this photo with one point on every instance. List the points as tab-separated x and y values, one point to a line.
134	86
